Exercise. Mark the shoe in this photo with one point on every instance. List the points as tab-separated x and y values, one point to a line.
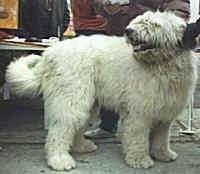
99	133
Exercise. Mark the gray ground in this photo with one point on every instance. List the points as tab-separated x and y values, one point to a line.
108	159
22	139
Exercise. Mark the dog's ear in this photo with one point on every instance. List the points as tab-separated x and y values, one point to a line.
190	34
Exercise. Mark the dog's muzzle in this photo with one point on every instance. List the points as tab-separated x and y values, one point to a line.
131	33
137	44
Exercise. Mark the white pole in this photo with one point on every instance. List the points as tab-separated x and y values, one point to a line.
190	114
194	10
70	32
69	8
194	15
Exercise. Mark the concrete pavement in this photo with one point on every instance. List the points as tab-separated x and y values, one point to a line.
108	159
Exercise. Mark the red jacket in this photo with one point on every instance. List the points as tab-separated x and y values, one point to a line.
84	17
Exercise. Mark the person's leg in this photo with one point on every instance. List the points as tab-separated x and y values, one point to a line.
109	120
107	127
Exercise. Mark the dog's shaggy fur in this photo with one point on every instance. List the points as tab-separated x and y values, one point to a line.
147	81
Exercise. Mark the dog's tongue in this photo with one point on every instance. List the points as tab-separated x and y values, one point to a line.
143	47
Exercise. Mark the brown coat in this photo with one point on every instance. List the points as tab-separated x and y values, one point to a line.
119	15
84	17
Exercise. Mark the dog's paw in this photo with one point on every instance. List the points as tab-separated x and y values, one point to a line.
139	162
61	162
165	156
85	146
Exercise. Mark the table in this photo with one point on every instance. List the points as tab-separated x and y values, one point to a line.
12	47
21	47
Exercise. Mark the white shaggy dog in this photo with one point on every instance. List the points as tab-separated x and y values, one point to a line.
147	81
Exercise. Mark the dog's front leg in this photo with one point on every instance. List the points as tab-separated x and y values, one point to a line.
135	142
160	143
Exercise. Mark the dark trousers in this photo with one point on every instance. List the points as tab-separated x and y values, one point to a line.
109	120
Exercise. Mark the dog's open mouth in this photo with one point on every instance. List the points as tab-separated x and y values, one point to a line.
143	47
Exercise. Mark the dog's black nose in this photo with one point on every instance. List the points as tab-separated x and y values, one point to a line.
129	31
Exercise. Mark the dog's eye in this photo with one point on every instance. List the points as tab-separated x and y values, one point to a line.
156	25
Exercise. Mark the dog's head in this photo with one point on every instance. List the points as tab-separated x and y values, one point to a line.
156	34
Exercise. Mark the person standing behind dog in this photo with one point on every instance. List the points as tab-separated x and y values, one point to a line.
120	12
111	17
87	22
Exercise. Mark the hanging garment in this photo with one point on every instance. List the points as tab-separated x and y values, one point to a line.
41	18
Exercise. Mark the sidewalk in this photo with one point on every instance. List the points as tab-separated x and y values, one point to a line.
22	139
108	159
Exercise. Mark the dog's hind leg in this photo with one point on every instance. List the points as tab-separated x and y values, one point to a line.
83	145
160	143
69	110
60	136
135	142
65	122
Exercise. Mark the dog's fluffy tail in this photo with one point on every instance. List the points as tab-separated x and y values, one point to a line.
24	75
